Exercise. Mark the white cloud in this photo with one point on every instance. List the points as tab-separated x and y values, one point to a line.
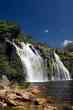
46	30
66	42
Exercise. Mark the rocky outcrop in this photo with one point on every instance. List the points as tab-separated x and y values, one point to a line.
65	55
10	64
29	98
67	59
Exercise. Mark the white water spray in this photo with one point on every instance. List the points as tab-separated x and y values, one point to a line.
33	63
60	72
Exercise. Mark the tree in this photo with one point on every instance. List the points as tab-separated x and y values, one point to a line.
8	29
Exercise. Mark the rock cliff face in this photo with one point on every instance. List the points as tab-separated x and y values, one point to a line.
67	59
10	63
65	55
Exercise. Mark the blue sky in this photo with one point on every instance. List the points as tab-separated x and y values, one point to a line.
37	16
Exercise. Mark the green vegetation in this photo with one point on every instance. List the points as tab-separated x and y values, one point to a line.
24	38
9	30
10	63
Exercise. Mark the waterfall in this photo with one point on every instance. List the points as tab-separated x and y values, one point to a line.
59	71
35	67
33	63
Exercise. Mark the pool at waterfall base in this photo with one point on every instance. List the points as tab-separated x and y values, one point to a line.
59	96
54	92
61	90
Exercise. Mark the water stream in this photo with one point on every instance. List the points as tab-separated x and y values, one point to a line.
59	71
34	64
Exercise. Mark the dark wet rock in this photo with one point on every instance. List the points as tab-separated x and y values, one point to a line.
65	107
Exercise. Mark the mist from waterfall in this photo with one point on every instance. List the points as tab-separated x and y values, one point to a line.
59	71
32	61
35	67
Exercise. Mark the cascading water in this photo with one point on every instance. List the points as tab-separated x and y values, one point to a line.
33	63
59	71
